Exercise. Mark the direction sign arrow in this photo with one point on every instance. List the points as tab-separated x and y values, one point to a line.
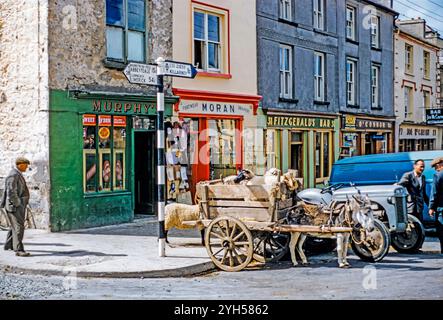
141	73
180	69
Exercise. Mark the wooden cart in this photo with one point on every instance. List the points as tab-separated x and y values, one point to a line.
248	222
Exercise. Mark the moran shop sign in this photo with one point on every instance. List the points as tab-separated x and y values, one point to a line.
300	122
106	106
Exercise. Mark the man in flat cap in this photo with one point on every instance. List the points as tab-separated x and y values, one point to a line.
15	199
436	198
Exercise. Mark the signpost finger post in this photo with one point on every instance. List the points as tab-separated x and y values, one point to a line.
149	74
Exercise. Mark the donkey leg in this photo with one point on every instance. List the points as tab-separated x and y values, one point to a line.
292	245
340	248
345	251
300	251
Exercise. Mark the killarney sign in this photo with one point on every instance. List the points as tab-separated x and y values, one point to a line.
180	69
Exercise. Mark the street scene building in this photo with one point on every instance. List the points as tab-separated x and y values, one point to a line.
416	86
365	79
297	77
217	124
275	88
90	133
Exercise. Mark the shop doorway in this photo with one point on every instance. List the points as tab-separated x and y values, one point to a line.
144	172
296	155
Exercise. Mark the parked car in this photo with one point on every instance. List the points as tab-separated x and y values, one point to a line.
376	175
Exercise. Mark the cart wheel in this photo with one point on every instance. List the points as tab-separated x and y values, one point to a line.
270	246
229	243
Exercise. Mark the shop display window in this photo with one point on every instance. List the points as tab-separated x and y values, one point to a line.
222	148
104	147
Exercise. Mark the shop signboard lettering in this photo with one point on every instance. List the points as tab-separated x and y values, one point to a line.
215	108
434	116
123	107
300	122
417	132
373	124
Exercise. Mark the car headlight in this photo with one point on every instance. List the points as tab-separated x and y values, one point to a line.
399	192
391	200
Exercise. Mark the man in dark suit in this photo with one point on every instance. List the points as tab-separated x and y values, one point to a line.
15	200
415	182
436	199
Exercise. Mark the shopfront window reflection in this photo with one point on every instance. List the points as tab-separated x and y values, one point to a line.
222	147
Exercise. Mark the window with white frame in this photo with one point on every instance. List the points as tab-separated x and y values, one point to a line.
426	64
409	58
285	71
375	86
126	30
319	14
207	41
408	103
375	31
285	9
350	23
319	76
351	84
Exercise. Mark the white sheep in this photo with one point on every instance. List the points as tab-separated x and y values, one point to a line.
177	213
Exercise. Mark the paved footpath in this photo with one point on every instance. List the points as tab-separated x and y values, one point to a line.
126	250
119	251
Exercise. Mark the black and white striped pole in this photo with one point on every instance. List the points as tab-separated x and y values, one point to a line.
161	180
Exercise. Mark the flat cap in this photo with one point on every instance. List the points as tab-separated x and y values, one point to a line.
436	161
20	160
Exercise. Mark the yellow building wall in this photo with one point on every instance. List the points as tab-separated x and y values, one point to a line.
240	32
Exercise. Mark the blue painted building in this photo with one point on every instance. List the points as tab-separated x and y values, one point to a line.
366	77
303	54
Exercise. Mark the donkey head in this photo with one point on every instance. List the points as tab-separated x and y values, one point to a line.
362	213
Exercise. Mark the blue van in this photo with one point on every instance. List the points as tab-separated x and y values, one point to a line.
385	168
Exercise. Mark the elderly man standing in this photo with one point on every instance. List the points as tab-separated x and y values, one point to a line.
15	199
436	198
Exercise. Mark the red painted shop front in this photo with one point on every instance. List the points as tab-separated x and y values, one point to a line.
215	124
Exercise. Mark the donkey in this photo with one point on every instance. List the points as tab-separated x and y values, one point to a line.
356	212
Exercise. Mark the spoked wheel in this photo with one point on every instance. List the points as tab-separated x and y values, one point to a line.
372	246
270	246
229	244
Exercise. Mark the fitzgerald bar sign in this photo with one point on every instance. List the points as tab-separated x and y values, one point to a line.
300	122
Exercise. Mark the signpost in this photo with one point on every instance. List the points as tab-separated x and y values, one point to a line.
149	74
141	73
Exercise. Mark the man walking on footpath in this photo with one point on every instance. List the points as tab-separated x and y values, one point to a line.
436	199
15	200
415	182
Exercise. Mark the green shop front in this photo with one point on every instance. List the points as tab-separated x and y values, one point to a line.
307	143
102	157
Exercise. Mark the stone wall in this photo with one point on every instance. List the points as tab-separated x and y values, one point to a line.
77	45
24	97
